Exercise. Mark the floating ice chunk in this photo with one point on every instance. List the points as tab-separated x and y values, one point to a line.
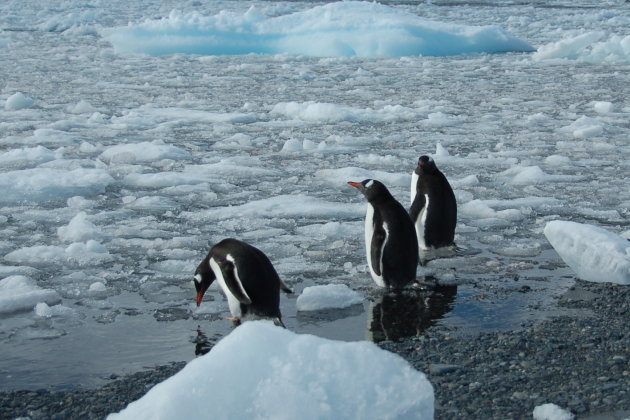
440	151
593	47
283	206
143	152
23	158
43	310
348	28
78	202
283	375
82	107
440	119
551	412
43	184
557	160
593	253
603	107
327	112
330	231
532	175
585	127
234	167
148	116
468	181
166	179
22	293
329	296
78	253
295	145
18	101
340	177
520	250
480	209
152	203
97	287
79	229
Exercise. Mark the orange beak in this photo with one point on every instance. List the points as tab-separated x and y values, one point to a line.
199	297
355	184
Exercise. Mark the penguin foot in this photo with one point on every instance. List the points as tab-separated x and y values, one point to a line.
235	321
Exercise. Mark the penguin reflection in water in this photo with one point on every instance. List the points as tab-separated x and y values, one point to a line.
433	206
390	241
246	276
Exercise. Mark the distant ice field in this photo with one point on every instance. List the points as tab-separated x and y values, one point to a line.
119	169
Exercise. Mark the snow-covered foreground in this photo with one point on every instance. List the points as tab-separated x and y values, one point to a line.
118	171
264	371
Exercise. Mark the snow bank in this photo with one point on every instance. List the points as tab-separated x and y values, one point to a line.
593	253
22	293
592	47
350	28
42	184
551	412
329	296
263	371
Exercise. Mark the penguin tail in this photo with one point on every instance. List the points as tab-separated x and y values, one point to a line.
286	289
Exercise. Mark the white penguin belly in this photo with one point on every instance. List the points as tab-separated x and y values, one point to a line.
420	225
369	233
414	183
233	303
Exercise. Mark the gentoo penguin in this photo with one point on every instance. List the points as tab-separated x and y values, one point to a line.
246	276
433	207
390	241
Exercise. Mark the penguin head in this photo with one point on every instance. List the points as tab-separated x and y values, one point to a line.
426	165
204	277
372	189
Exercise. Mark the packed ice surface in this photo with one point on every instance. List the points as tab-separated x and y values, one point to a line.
595	254
348	28
119	171
288	376
551	412
330	296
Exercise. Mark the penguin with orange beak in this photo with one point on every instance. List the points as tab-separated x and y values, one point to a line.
246	276
390	239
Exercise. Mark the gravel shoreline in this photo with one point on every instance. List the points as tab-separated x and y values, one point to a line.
580	363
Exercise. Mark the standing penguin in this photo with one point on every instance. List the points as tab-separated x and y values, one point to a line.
433	206
390	241
246	276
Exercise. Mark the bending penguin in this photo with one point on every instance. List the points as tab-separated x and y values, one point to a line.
246	276
433	206
390	240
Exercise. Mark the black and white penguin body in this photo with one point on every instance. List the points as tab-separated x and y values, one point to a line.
433	206
390	241
247	278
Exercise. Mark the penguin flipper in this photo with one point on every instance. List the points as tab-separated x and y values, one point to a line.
378	240
416	206
233	282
